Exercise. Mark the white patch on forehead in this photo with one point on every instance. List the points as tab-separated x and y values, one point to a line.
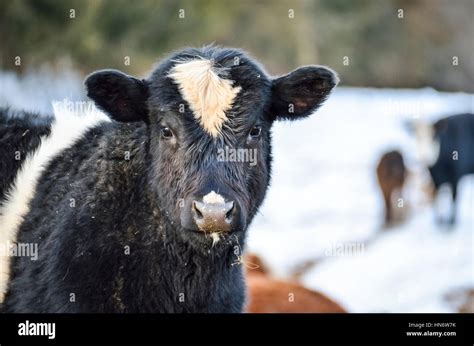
208	95
66	129
213	198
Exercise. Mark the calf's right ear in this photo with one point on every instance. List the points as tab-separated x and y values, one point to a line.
121	96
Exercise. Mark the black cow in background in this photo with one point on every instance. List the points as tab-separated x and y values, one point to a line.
454	136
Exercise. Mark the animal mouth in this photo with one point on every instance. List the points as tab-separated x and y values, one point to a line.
215	236
210	229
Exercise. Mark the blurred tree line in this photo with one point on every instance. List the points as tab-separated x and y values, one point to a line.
393	43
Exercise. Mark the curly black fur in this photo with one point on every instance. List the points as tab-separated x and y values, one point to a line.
121	248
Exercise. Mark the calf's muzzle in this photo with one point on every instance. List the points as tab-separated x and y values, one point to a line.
209	214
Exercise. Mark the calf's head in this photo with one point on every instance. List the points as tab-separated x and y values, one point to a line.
209	112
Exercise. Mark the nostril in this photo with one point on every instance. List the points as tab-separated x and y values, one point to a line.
197	212
230	212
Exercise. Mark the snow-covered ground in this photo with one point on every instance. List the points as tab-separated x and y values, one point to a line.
324	205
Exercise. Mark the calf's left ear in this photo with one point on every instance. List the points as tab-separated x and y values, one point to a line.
121	96
299	93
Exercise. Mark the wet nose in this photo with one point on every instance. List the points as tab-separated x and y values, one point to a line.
216	216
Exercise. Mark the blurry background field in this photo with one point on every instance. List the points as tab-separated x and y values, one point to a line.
386	47
324	194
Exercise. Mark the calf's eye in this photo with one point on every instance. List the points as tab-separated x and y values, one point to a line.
166	133
255	132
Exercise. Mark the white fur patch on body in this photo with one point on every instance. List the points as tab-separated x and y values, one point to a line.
213	198
66	129
427	146
208	95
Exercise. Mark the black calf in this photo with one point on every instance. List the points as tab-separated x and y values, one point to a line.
138	214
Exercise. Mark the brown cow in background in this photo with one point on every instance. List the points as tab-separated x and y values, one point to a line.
391	175
265	294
